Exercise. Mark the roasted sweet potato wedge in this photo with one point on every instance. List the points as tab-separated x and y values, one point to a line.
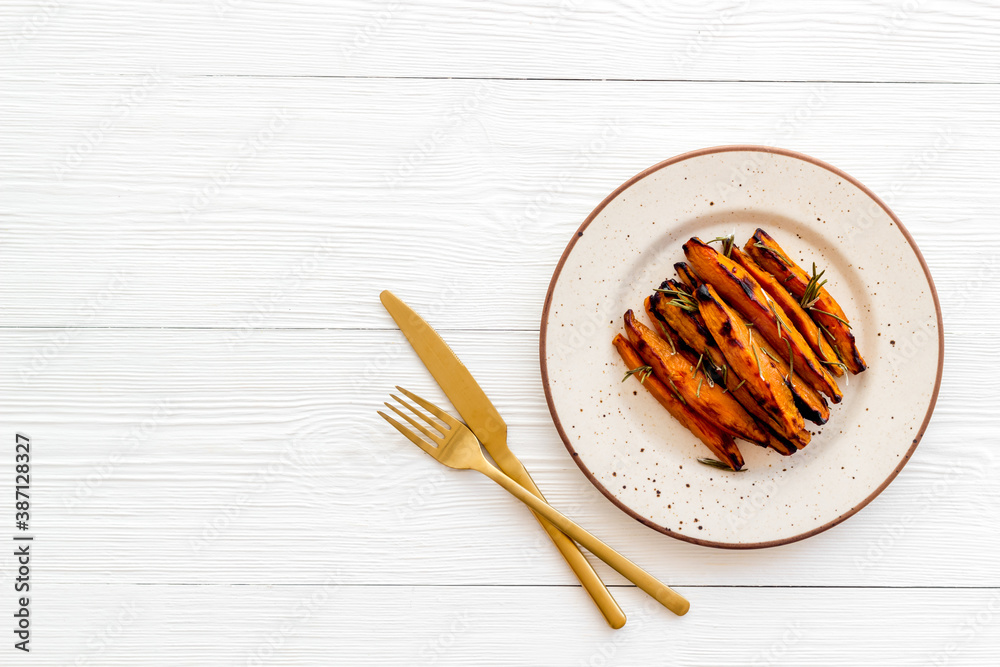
674	303
810	402
712	373
672	307
690	328
666	332
746	359
792	310
747	297
689	383
720	443
687	276
823	308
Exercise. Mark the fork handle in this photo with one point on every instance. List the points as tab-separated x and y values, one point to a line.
644	580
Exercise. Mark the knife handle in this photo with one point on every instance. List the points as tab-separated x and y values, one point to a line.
584	571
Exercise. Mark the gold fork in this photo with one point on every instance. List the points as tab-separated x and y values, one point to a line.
457	447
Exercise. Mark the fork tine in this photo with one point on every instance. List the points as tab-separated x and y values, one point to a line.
420	413
433	437
430	407
416	439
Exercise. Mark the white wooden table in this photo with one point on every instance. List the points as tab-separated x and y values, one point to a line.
199	203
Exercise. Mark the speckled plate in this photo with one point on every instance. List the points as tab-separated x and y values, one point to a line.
635	452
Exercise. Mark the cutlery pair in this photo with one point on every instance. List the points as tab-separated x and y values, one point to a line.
459	445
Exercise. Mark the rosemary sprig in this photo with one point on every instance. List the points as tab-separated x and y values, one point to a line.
777	320
829	335
783	336
697	365
666	335
737	387
727	243
680	299
642	372
676	392
839	319
777	254
811	295
712	463
713	368
835	363
847	374
773	358
753	349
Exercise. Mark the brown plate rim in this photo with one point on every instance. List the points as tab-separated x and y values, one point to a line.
629	183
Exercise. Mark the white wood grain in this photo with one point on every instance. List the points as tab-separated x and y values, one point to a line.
853	40
199	203
195	460
186	211
403	625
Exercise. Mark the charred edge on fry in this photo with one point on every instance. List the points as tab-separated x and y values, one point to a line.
807	412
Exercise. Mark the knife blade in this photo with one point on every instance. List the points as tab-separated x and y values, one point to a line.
480	415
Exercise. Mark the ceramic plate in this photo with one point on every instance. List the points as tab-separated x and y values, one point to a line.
635	452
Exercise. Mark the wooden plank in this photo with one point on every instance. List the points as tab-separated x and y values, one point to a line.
725	39
196	457
250	203
319	625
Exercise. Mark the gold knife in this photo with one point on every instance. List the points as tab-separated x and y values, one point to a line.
483	419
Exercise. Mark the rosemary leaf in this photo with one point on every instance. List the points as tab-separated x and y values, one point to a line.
666	335
727	243
680	299
685	304
753	349
676	392
835	363
773	358
712	463
697	365
839	319
775	252
642	372
813	288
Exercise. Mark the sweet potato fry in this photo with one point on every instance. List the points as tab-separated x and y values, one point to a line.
824	309
772	440
792	310
690	328
687	276
677	343
705	397
674	308
810	402
746	359
747	297
720	443
696	337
